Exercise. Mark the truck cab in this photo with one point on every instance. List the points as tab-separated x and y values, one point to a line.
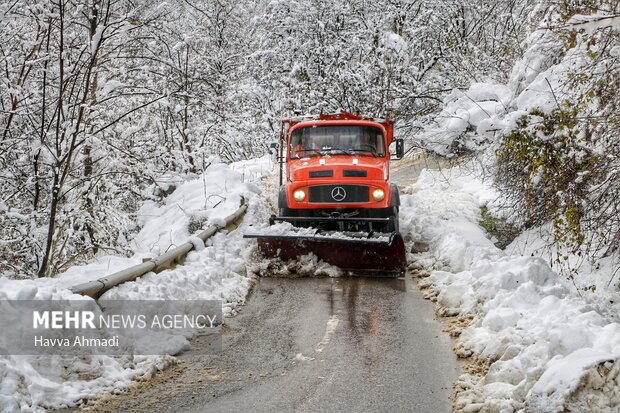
337	171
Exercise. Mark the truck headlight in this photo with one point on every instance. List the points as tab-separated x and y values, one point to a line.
299	195
378	194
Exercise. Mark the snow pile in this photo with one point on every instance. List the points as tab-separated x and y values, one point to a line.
598	281
203	201
29	383
467	120
216	271
542	348
472	120
538	78
592	22
542	50
537	342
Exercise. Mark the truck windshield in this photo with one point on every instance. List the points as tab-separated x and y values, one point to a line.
337	140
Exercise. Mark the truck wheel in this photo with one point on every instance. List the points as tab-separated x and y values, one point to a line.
392	226
286	212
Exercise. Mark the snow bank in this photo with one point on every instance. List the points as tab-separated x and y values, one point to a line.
304	266
542	346
597	281
217	271
203	201
540	342
542	49
193	206
541	85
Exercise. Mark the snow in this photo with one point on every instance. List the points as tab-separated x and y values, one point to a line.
547	348
467	116
109	87
595	21
594	280
207	199
548	341
304	266
394	42
471	119
96	40
534	60
215	271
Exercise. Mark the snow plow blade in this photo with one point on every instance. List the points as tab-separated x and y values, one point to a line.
357	253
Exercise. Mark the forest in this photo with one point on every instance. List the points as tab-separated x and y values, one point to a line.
100	100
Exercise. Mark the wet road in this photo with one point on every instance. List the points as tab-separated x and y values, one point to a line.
317	344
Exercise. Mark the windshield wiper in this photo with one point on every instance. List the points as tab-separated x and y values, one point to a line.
375	154
307	153
345	151
325	151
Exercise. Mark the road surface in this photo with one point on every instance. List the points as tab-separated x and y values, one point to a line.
316	344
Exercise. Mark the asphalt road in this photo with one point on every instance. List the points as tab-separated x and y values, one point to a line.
316	344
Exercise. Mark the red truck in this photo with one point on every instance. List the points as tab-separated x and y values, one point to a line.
334	179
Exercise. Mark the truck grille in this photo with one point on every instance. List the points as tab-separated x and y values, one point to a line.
338	194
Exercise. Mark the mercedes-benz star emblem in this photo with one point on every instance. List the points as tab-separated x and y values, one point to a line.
339	194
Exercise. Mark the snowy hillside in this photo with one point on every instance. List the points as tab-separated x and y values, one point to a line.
533	342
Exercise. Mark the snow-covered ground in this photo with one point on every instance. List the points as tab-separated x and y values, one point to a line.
539	345
216	270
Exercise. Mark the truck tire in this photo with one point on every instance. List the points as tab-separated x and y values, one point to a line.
283	209
393	225
395	197
282	198
395	205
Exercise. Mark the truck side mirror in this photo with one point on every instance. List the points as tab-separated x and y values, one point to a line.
273	147
400	148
